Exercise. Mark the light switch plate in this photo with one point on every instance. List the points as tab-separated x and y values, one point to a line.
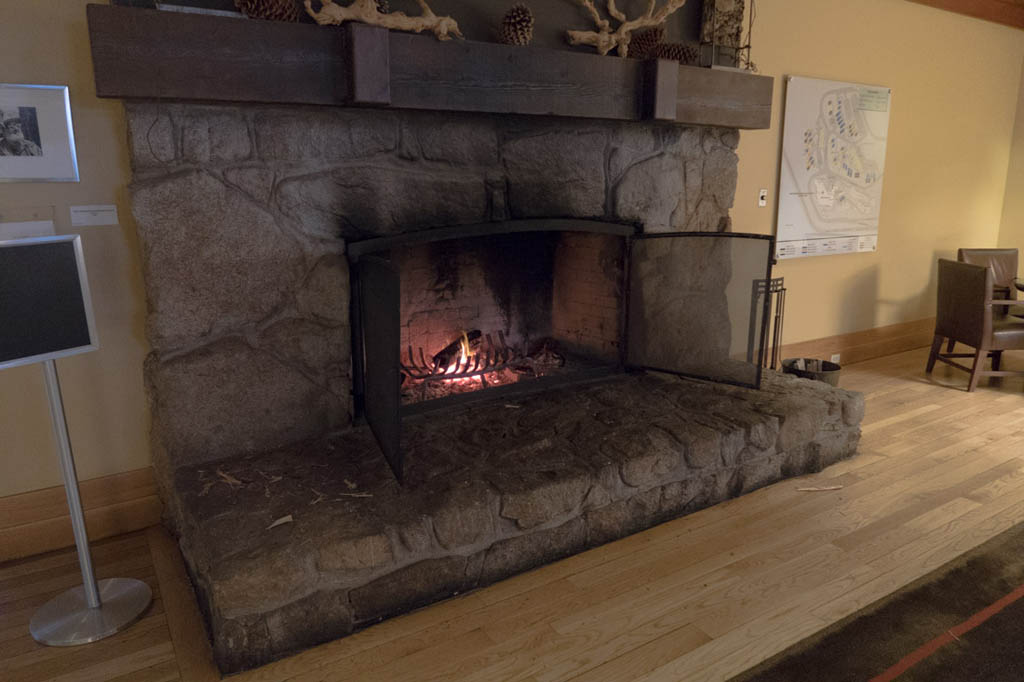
762	197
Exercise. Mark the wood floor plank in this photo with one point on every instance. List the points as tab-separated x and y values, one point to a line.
192	648
644	658
166	671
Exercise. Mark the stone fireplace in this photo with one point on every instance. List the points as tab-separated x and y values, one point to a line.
259	226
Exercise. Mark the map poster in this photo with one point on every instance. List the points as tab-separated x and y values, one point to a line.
833	158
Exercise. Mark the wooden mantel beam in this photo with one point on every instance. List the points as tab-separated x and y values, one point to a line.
150	54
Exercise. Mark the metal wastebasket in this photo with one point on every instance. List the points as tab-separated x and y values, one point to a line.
810	368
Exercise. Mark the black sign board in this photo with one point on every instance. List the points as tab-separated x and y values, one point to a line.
45	310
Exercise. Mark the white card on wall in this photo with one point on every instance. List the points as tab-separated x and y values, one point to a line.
99	214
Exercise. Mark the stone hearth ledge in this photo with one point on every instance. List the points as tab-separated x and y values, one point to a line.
491	491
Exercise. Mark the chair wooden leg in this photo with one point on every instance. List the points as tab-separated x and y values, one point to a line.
979	362
997	359
952	344
936	347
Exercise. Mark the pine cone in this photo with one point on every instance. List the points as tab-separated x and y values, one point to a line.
643	43
383	7
274	10
517	26
684	53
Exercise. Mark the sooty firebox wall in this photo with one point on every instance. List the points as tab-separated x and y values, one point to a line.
496	310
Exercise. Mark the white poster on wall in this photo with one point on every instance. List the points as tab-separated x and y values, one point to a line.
833	161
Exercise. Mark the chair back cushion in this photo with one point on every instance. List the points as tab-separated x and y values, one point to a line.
964	311
1002	263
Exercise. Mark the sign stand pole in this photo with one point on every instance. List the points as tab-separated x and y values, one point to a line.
94	610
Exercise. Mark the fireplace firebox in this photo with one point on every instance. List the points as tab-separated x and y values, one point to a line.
453	315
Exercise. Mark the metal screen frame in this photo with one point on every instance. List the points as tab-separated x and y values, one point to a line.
770	261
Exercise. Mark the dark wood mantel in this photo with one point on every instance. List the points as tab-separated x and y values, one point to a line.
149	54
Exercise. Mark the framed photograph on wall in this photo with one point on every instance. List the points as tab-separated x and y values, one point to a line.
37	143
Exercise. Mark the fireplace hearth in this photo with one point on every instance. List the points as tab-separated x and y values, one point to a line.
491	490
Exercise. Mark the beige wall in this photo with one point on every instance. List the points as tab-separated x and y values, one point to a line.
955	83
47	43
1011	234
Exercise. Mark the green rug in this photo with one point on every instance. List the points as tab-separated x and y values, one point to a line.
962	622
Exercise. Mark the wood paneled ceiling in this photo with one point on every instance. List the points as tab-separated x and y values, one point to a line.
1008	12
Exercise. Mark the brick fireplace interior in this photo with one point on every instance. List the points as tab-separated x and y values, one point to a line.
537	304
279	241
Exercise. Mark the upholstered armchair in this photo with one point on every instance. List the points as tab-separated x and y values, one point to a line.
967	313
1002	263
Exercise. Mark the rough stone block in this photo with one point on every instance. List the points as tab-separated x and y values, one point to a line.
242	273
624	517
464	515
324	294
229	398
645	455
524	552
411	587
255	181
757	472
324	134
358	553
457	140
151	137
318	618
315	350
649	193
552	175
703	444
677	497
853	408
262	579
359	202
241	643
218	135
534	498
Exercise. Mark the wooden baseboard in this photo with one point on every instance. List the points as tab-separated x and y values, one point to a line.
866	344
38	521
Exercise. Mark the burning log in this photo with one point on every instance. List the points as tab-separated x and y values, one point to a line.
467	344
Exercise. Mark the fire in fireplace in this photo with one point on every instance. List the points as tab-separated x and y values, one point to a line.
502	309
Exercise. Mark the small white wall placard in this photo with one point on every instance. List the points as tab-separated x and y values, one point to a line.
99	214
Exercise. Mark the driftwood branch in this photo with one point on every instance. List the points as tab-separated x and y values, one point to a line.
366	11
606	40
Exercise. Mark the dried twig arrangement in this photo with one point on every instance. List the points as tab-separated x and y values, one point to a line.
366	11
605	39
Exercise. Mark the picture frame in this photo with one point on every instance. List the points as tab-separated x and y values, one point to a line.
37	140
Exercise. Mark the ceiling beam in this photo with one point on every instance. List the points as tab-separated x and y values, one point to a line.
1006	12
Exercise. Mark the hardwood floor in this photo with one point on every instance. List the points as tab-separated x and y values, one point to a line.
939	471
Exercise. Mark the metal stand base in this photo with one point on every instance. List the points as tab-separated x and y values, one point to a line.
67	619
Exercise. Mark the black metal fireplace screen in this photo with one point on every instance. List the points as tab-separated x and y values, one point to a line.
453	315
